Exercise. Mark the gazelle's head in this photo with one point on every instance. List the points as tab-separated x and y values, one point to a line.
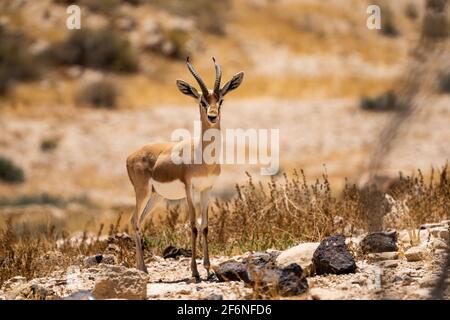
210	101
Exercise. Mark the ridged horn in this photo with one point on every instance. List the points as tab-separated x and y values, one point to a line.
218	77
201	83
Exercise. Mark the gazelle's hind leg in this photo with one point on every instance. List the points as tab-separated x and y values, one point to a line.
154	199
194	231
204	201
140	181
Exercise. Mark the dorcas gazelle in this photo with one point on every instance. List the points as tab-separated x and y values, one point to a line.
155	176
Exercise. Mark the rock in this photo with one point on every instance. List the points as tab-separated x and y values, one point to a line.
382	256
31	291
438	244
174	252
415	254
99	258
287	281
413	236
390	264
434	225
261	259
13	283
118	282
380	242
301	254
333	257
231	271
440	232
261	271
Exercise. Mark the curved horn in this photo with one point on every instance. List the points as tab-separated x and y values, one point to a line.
201	83
218	77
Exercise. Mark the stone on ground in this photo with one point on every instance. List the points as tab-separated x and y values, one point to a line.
376	242
333	257
118	282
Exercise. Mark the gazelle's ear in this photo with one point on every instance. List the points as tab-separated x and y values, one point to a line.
187	89
232	84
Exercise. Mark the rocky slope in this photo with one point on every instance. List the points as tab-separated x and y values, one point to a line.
388	265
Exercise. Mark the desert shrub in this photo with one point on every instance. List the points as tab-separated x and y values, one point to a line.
436	22
100	94
210	16
388	25
16	63
49	144
444	82
98	49
411	11
43	199
291	210
100	6
384	102
10	172
179	40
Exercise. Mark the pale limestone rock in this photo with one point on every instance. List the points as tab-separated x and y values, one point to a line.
118	282
382	256
416	254
301	254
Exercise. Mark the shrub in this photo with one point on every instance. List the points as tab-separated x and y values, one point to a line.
10	172
444	82
411	11
384	102
100	94
49	144
16	63
210	16
98	49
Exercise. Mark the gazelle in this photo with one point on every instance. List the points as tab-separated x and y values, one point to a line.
155	176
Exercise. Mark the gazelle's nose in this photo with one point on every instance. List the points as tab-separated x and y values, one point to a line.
212	118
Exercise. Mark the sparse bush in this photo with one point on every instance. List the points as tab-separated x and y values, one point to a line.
99	49
10	172
411	11
388	25
100	94
16	63
210	16
179	39
43	199
444	82
49	144
384	102
436	23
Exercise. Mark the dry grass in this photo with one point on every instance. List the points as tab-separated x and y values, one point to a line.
286	211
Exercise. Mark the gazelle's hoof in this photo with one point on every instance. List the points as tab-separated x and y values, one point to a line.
194	279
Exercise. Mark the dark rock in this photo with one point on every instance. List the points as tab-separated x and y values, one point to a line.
100	258
261	272
232	271
287	281
376	242
174	252
333	257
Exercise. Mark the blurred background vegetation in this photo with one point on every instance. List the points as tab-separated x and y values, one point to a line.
75	103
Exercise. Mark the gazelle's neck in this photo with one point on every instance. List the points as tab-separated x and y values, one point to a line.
211	140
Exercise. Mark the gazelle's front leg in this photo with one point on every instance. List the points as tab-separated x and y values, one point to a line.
204	201
194	231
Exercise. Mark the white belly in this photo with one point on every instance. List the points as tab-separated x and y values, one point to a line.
173	190
202	183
